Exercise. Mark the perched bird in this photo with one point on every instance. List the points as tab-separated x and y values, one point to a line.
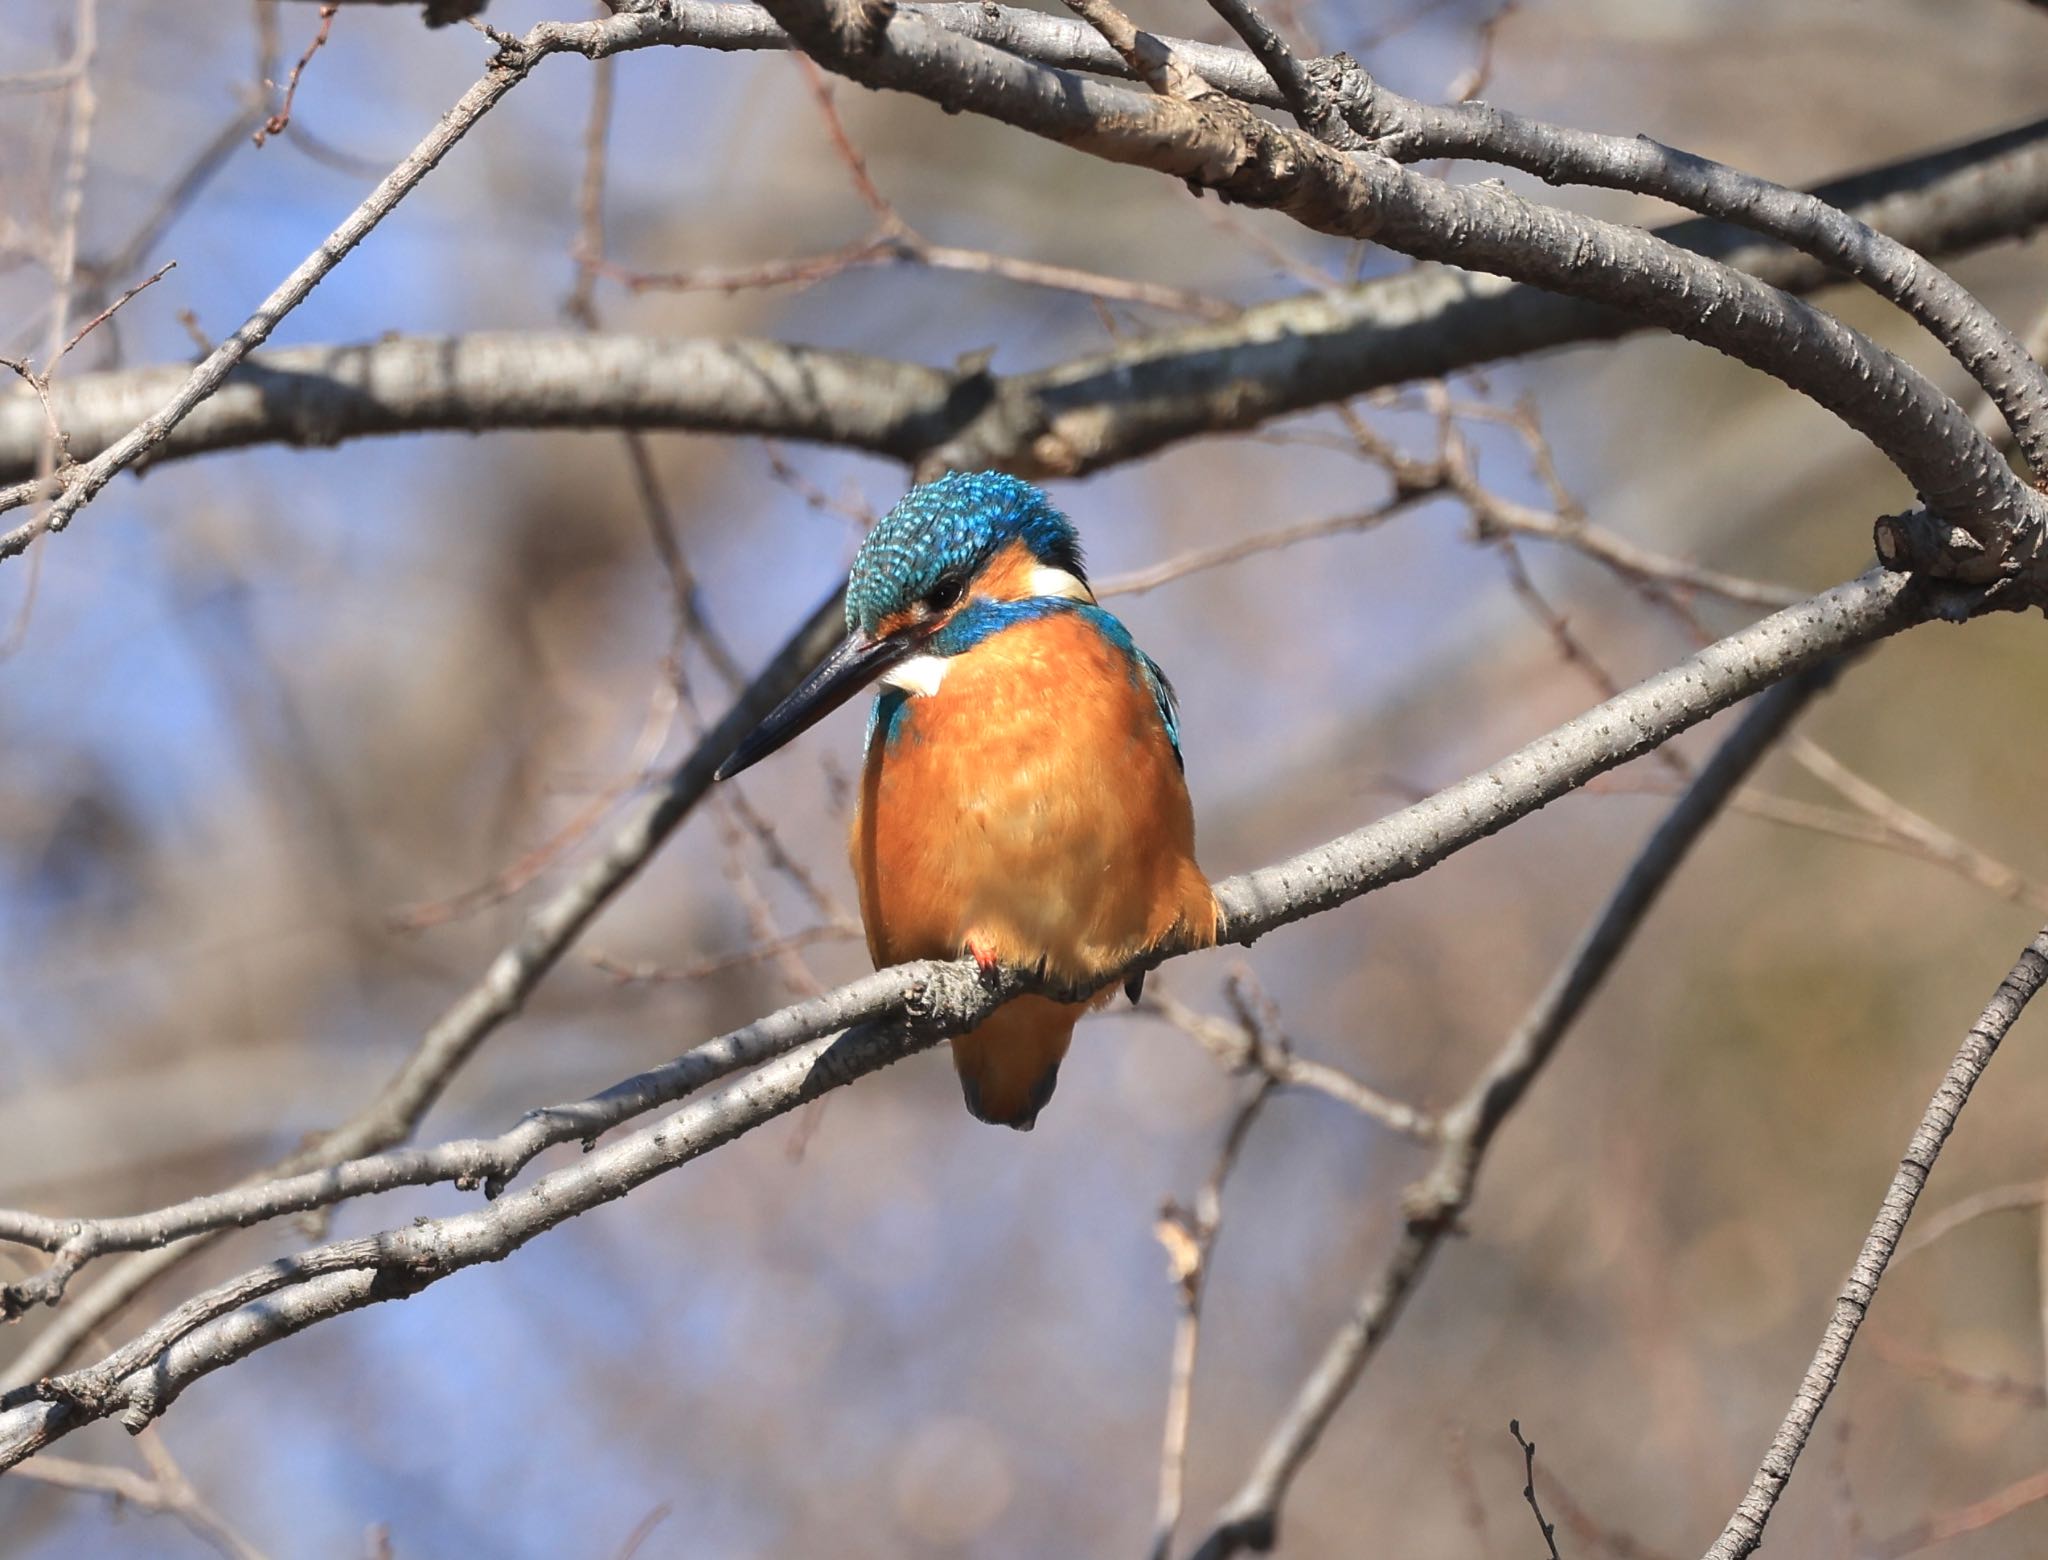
1021	799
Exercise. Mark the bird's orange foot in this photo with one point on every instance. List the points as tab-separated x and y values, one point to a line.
982	948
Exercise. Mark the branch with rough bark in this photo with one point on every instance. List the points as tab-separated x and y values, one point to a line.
1986	523
894	1014
547	933
1343	173
1064	420
1431	1208
1989	524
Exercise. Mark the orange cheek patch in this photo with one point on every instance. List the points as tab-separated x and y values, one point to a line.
1007	576
895	622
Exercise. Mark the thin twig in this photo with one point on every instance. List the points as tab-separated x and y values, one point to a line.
630	973
111	309
1548	1529
1745	1529
1595	1535
1151	58
895	242
1973	1518
1432	1208
165	1491
922	1003
1859	828
1240	1048
276	123
587	251
1917	830
1138	581
2023	1197
1189	1237
1999	1385
520	873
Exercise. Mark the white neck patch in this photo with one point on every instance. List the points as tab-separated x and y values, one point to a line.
922	674
1058	582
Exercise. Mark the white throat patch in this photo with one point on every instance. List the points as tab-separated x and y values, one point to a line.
921	674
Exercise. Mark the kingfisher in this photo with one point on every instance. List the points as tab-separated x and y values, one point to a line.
1022	797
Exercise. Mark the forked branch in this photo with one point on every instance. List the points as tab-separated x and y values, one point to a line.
911	1008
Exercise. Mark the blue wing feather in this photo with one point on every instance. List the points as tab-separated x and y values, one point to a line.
1162	696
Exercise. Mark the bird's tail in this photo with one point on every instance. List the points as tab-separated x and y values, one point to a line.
1009	1063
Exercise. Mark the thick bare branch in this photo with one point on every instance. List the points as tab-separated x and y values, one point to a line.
1068	419
318	396
1409	130
82	484
1216	144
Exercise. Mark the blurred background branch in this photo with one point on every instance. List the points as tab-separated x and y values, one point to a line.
1432	1207
295	743
1745	1530
926	1003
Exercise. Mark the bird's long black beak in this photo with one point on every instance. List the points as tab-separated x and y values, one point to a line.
857	662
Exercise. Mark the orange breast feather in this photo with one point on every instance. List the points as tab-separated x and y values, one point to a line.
1032	805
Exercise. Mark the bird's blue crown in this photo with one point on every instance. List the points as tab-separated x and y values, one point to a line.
945	531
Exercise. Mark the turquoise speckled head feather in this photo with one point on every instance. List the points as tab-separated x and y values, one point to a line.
946	530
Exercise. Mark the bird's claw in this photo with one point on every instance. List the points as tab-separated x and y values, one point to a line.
982	949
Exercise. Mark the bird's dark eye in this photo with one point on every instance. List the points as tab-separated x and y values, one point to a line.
945	595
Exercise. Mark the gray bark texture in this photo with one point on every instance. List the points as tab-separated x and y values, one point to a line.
1501	276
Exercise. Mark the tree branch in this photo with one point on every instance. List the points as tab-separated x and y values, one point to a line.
1408	130
1302	92
1216	144
164	1490
547	933
1433	1206
319	396
506	71
1189	1236
1065	420
911	1008
437	13
1745	1529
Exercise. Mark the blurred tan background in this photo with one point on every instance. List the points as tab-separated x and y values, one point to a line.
264	706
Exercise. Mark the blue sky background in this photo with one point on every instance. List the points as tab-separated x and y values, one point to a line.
266	699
